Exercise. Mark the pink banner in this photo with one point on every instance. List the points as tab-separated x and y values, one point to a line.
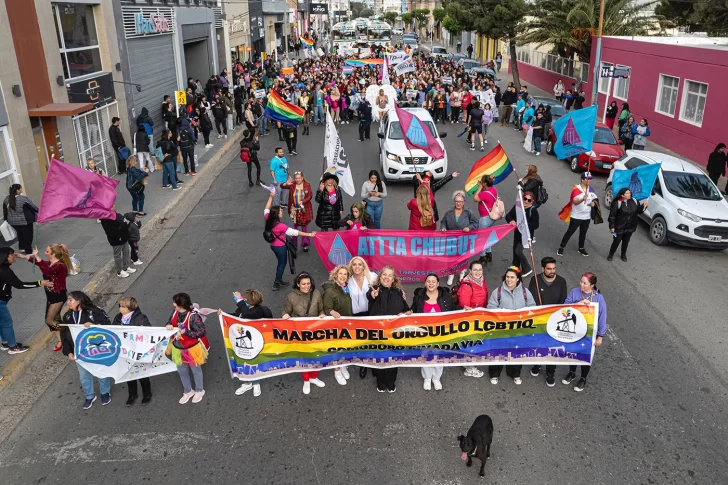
74	192
414	254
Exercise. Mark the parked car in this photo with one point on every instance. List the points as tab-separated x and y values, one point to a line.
396	161
412	43
411	35
468	63
685	207
456	57
605	151
557	109
439	52
397	31
475	71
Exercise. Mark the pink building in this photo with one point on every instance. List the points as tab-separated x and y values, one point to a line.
675	82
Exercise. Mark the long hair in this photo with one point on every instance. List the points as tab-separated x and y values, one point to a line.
60	251
718	147
13	193
395	281
360	207
83	299
424	205
274	217
380	188
367	271
531	172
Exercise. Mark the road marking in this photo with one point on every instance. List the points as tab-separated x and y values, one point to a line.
618	342
218	215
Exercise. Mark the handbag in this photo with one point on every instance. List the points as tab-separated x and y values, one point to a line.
137	186
8	231
159	154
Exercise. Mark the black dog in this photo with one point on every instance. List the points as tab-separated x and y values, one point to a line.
477	442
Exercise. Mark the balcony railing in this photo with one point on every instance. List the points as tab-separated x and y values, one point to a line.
560	65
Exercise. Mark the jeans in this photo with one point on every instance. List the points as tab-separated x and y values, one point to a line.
263	124
122	255
188	158
87	383
184	376
483	222
537	144
318	114
574	224
7	332
137	201
281	197
145	159
250	170
134	246
221	126
282	256
306	241
168	175
375	209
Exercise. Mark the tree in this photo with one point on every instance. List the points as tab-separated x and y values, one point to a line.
570	24
367	12
497	19
390	17
678	13
420	15
452	25
439	15
407	19
712	15
356	9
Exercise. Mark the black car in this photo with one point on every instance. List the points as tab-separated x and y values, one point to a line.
557	109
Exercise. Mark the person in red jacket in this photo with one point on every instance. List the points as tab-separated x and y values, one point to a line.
473	293
422	217
299	205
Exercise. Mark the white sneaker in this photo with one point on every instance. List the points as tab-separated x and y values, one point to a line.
306	388
517	381
226	137
256	390
198	396
533	240
219	136
130	270
317	382
186	397
450	279
345	372
122	274
437	384
494	380
473	372
527	274
340	377
138	263
210	145
243	389
428	384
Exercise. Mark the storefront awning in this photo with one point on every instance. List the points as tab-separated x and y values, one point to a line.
60	109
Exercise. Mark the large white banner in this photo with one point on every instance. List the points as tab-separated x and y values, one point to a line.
122	352
385	73
335	157
405	66
397	57
521	220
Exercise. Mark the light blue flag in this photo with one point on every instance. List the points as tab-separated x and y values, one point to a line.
575	132
639	180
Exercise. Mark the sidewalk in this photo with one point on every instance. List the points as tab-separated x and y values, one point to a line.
86	239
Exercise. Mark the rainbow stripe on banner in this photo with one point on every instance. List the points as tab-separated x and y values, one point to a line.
307	43
495	163
551	335
364	62
278	109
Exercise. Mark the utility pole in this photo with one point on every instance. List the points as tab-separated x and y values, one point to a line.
598	60
285	27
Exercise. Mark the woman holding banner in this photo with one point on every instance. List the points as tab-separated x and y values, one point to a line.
131	314
433	298
337	303
387	298
586	294
511	295
459	218
359	283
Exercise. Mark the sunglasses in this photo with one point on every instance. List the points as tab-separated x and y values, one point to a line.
527	200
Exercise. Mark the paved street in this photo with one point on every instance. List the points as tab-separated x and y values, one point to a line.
653	410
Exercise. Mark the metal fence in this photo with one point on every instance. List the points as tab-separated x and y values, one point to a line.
92	137
560	65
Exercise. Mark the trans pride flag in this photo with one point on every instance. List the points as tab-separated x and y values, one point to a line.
364	62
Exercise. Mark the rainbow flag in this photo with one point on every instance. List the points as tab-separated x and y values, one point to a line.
565	212
278	109
307	43
495	163
364	62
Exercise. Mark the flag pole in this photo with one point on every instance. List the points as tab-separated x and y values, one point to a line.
530	246
36	229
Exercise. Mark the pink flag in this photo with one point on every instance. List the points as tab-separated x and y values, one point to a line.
75	192
417	136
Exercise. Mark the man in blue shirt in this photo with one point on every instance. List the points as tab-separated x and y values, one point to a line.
279	175
318	105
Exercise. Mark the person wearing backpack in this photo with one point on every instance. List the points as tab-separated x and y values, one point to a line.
249	147
141	147
186	142
490	209
511	295
471	292
520	259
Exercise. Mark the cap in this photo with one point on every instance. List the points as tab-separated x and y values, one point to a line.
586	175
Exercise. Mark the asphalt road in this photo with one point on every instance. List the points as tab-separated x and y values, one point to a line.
653	411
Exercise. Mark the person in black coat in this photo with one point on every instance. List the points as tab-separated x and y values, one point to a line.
117	233
716	165
386	298
250	140
219	111
130	314
520	260
117	142
205	125
623	216
144	118
330	203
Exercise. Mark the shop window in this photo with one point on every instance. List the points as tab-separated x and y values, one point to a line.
621	86
692	106
667	95
605	82
77	39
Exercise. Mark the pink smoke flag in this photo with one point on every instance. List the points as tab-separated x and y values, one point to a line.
75	192
417	136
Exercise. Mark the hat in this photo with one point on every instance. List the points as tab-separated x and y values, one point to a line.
362	81
586	175
329	175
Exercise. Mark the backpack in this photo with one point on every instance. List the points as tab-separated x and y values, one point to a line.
525	298
541	195
454	292
184	136
498	210
246	155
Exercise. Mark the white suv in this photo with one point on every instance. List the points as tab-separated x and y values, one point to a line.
685	206
396	160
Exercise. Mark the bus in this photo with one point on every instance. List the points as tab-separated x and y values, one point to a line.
344	35
379	33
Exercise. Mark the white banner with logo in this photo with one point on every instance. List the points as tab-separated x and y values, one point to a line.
122	352
405	66
335	157
397	57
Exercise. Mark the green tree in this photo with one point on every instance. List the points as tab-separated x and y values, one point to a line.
367	12
356	8
390	17
420	15
712	15
407	19
496	19
452	25
677	13
439	15
570	24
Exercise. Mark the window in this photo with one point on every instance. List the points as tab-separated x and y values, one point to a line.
667	95
604	82
692	106
8	174
634	162
621	86
395	130
77	39
691	186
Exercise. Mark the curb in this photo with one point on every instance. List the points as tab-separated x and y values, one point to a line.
156	232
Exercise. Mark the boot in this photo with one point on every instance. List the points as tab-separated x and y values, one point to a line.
489	257
483	260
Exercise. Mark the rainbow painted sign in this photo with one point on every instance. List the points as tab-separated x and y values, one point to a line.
414	254
554	334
